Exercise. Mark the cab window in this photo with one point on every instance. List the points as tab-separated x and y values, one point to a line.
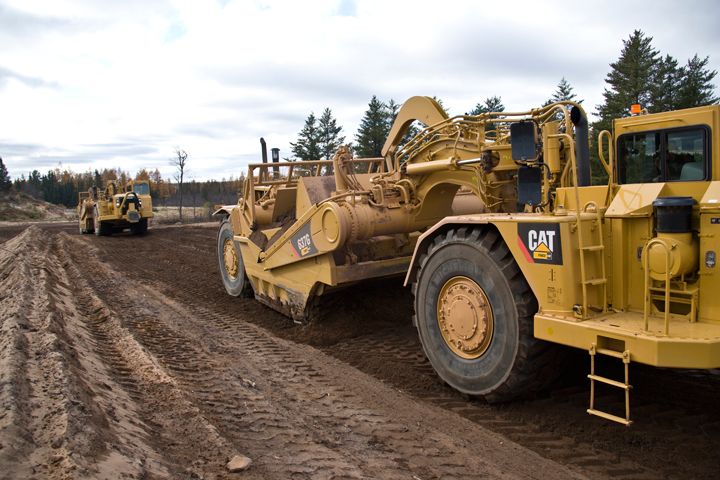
664	156
142	188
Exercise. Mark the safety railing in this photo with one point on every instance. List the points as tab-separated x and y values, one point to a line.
647	304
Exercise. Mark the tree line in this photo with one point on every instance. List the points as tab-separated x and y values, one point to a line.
61	186
642	74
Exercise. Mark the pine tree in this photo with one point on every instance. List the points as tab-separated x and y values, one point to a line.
695	86
374	129
5	182
307	146
563	93
393	108
329	135
492	104
664	87
97	179
442	105
630	79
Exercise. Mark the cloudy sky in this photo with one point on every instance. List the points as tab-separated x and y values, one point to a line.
92	84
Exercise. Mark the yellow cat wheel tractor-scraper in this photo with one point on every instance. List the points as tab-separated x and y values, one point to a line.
114	210
507	246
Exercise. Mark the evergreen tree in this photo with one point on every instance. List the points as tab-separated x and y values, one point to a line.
97	179
664	87
374	129
492	104
5	182
695	87
35	184
630	79
442	105
329	135
563	93
307	146
393	108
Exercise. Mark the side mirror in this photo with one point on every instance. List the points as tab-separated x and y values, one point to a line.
524	141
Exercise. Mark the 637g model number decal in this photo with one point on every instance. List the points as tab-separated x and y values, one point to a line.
302	243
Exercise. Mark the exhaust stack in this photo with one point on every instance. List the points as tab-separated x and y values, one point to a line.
263	146
275	153
582	147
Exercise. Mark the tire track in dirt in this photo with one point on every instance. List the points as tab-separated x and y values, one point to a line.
407	351
16	391
64	430
170	421
556	426
382	350
296	416
70	387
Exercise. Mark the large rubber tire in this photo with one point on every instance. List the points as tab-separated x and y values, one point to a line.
139	228
514	364
239	285
101	228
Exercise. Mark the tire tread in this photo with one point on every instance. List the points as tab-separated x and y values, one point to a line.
537	362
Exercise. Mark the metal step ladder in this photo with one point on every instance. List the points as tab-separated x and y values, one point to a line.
625	357
596	247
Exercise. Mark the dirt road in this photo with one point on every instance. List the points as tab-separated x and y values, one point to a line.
122	357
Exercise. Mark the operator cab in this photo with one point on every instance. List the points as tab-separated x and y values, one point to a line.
665	147
664	155
141	188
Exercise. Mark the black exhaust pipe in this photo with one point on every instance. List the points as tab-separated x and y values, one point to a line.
264	150
275	152
582	146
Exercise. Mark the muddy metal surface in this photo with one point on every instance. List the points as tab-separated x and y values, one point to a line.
123	357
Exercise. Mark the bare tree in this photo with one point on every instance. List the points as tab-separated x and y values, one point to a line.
179	164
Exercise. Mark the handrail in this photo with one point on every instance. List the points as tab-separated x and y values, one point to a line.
607	165
647	300
314	164
253	166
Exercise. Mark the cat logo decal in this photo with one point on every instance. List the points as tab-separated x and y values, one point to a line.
540	242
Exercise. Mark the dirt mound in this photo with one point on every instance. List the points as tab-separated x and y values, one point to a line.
64	416
16	206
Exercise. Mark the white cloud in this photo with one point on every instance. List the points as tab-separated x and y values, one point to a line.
83	81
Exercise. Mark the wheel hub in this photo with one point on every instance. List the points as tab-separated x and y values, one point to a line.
465	317
230	258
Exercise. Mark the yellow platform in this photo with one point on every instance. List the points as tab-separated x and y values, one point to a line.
688	345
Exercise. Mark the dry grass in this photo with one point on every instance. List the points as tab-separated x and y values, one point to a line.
171	215
19	207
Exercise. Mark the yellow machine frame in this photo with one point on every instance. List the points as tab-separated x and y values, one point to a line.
605	278
113	209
